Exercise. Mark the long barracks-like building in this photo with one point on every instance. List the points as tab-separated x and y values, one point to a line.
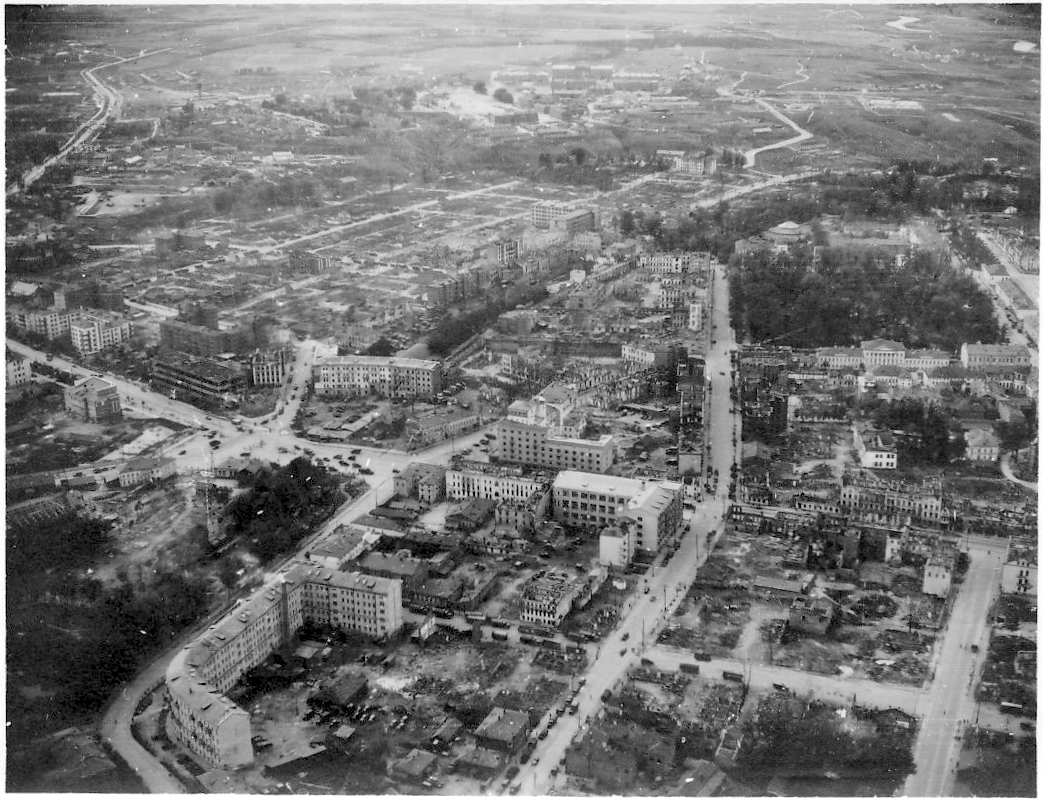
210	724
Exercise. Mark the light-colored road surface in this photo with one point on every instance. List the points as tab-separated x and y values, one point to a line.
667	585
949	703
110	103
1010	476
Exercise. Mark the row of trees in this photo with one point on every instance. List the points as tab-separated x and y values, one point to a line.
453	331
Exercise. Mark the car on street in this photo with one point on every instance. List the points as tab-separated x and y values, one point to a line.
182	452
365	470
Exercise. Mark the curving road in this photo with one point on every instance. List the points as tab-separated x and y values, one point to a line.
110	104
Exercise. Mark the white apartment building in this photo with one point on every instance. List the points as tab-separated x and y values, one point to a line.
50	322
1021	570
548	600
616	545
667	263
19	371
937	576
695	316
492	483
521	443
876	450
92	332
595	501
210	724
393	377
553	213
638	355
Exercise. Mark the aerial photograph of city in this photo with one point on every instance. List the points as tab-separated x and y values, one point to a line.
510	399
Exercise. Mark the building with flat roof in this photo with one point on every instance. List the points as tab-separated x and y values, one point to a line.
938	573
177	336
19	370
503	729
268	367
93	400
1021	567
548	599
534	445
616	545
192	378
92	332
876	449
202	718
494	482
426	481
874	499
596	501
389	376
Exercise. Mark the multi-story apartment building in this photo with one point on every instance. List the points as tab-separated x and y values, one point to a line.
19	370
358	337
1021	567
437	425
426	481
991	356
657	513
876	449
390	376
94	400
667	263
96	331
208	723
477	479
521	443
572	219
617	544
695	316
52	323
547	600
884	500
596	501
201	340
185	377
638	355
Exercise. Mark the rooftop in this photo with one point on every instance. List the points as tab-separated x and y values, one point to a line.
503	724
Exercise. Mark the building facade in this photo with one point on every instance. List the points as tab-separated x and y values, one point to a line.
93	400
389	376
521	443
19	370
191	378
208	723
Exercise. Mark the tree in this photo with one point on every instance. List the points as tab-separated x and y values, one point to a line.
626	222
479	86
407	97
503	96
